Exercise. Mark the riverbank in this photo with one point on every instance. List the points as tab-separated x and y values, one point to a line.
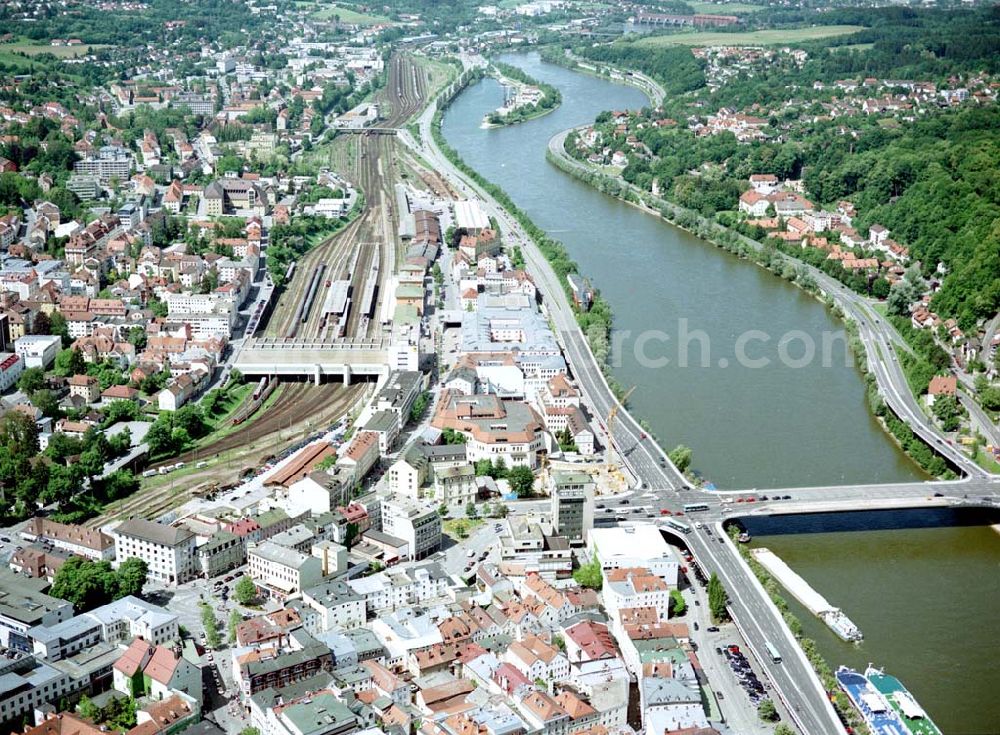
776	262
568	60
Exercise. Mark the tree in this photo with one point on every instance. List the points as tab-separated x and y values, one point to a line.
442	510
245	590
948	411
31	380
678	606
253	731
767	711
590	574
470	510
234	620
46	402
132	574
451	436
88	710
783	729
681	457
69	362
211	625
500	510
120	410
522	481
718	599
905	292
85	583
990	398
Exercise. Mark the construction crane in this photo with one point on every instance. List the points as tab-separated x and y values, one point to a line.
612	465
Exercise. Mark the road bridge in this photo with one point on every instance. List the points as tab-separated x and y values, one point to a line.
312	359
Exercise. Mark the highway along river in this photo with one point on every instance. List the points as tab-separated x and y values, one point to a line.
924	597
756	411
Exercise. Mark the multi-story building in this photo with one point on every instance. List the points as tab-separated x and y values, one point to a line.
23	606
169	552
397	588
110	162
337	605
38	350
11	367
634	545
256	675
145	670
572	495
117	622
222	552
230	194
494	428
282	572
26	683
408	473
399	392
416	523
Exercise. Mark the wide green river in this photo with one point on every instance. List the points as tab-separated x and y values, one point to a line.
926	598
787	423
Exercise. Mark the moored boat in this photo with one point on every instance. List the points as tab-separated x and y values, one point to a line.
913	716
877	713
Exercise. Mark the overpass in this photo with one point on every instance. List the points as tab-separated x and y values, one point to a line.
314	359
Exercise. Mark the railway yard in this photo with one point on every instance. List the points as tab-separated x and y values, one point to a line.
337	291
338	287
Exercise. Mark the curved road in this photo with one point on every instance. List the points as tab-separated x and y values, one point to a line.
877	335
795	681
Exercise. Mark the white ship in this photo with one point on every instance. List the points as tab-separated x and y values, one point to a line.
841	625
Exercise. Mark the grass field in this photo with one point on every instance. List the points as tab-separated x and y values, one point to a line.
724	8
326	11
769	37
62	52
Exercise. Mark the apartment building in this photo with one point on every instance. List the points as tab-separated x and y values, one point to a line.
281	571
170	552
117	622
90	543
415	522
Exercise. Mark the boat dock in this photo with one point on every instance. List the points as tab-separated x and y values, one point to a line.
804	593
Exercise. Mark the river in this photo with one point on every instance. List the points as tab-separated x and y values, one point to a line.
781	425
924	597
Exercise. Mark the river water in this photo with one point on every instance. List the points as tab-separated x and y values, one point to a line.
781	425
925	598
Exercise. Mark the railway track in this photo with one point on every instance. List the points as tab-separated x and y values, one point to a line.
299	410
371	237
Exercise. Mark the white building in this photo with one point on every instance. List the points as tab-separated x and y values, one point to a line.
282	571
38	350
416	523
339	606
169	552
634	545
11	367
396	588
120	621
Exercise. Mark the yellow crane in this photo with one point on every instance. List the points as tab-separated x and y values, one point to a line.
612	464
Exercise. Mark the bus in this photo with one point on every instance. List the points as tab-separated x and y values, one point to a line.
772	652
695	507
678	525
